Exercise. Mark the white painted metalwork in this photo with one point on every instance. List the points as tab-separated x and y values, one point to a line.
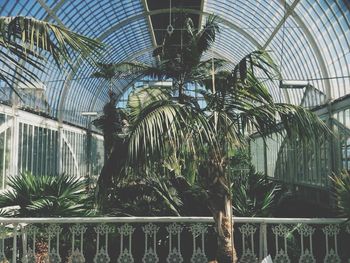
102	252
41	146
77	254
248	254
173	235
2	247
29	252
150	255
174	250
331	252
53	232
198	232
71	149
281	253
306	253
126	251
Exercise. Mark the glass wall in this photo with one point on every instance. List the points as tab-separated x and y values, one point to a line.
97	156
74	153
342	129
257	149
30	143
308	162
5	146
37	149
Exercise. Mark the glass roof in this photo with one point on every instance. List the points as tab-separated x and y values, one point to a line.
308	39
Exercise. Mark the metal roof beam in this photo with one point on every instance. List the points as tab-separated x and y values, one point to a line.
149	22
50	13
289	10
200	20
55	9
315	48
179	10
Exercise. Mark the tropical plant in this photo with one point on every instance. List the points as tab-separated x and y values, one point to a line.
341	190
46	196
255	196
107	72
31	41
143	197
170	126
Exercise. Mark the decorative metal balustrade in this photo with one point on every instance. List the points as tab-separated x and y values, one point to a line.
170	240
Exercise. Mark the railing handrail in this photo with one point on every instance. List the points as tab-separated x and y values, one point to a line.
91	220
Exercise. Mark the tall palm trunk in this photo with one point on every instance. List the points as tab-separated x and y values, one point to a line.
108	146
220	205
222	214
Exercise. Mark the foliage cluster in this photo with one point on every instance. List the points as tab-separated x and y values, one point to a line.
46	196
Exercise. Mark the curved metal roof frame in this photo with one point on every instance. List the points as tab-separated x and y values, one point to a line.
313	36
131	19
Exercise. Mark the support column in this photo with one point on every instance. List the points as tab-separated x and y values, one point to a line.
14	142
59	150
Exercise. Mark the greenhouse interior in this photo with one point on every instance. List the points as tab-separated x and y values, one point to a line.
174	131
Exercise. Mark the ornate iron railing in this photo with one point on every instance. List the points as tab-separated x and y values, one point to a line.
170	239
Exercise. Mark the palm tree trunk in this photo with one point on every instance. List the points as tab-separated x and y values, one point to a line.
222	214
180	87
220	205
108	146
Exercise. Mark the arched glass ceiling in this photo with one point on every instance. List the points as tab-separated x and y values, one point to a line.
309	40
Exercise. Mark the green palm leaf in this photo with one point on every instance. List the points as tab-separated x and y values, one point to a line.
30	40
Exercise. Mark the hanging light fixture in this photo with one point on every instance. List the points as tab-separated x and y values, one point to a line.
170	28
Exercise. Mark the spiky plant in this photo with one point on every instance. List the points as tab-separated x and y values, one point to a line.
46	196
256	196
341	193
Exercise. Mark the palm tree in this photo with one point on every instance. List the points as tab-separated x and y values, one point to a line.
171	123
106	72
31	41
110	123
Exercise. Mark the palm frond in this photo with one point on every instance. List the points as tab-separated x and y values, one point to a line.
301	122
110	70
206	36
163	122
166	193
256	60
35	35
30	40
140	98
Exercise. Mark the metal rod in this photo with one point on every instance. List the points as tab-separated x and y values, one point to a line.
14	245
257	220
